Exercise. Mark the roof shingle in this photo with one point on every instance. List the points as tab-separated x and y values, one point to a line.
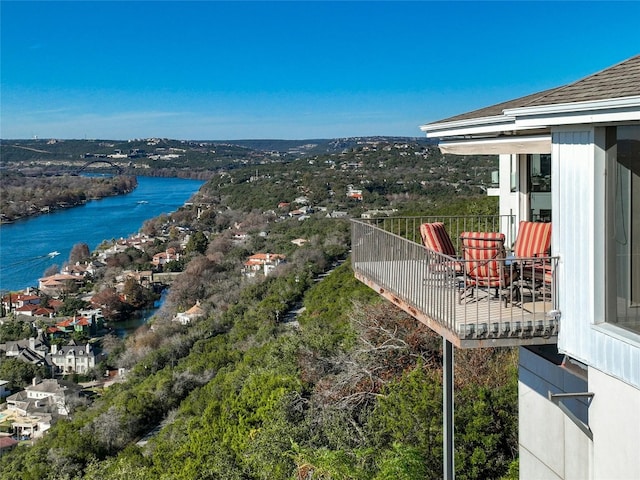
619	81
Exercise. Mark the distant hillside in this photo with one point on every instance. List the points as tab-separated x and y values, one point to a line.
166	157
319	146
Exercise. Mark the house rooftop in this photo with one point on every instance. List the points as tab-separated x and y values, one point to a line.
619	81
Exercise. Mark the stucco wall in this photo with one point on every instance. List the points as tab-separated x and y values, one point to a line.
614	417
551	445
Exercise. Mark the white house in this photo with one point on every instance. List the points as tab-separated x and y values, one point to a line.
185	318
73	358
162	258
572	155
31	411
569	156
265	262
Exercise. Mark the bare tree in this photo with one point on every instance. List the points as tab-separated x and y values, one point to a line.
52	270
79	253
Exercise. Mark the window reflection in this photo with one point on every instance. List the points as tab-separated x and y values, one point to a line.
626	225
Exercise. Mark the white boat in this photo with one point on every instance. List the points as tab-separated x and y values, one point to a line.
53	254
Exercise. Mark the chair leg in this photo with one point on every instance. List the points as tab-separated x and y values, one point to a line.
512	295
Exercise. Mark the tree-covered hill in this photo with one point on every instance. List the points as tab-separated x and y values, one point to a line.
22	196
293	375
156	156
352	392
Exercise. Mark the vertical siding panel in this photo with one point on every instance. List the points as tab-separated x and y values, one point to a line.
576	175
573	222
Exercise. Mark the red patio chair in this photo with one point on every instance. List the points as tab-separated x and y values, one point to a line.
435	238
532	250
483	255
533	240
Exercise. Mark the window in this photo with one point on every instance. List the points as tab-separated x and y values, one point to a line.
624	227
539	187
540	172
513	173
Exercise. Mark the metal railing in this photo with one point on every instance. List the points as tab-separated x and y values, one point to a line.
409	227
387	254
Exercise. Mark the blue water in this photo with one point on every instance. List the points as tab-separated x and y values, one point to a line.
25	245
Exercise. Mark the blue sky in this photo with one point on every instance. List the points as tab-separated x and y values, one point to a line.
289	70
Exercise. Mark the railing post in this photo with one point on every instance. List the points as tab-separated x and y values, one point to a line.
447	409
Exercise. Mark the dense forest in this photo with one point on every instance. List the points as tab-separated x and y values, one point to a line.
354	391
300	374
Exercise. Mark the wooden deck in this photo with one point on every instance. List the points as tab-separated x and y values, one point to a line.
433	294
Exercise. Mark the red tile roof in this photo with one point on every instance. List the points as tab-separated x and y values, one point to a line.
7	442
67	322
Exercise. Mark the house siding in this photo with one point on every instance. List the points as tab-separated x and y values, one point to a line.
579	170
578	117
573	236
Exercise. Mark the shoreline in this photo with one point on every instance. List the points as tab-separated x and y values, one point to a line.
103	230
5	220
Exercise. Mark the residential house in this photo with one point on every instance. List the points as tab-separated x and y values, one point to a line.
94	315
32	411
262	262
32	350
143	277
55	304
300	211
354	193
114	249
69	325
337	214
78	269
73	358
59	282
138	241
25	303
378	213
20	301
43	312
578	325
239	236
185	318
28	310
7	444
162	258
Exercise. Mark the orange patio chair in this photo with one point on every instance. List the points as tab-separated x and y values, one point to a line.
533	240
435	238
483	255
532	250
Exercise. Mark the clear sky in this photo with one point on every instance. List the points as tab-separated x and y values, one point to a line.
289	70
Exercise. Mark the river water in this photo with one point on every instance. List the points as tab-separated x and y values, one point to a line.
26	244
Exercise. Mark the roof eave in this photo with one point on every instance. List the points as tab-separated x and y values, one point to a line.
608	103
478	130
596	111
479	125
498	145
541	116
